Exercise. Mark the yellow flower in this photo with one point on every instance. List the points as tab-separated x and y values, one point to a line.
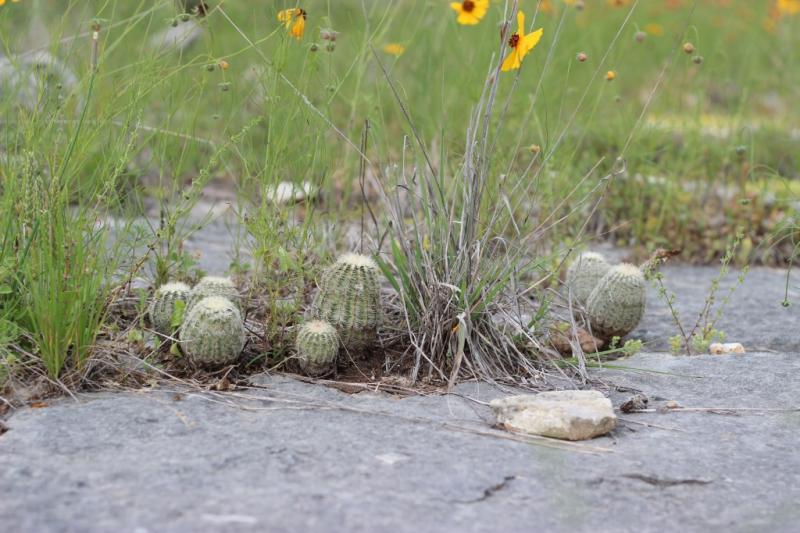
788	7
520	44
470	12
394	49
611	75
294	20
654	29
2	2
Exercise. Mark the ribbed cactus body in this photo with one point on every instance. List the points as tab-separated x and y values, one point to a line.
214	286
584	274
317	345
162	308
350	300
617	304
212	333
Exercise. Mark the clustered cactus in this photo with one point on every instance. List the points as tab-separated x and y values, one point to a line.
211	331
350	300
616	300
164	304
212	334
214	286
317	346
584	274
347	313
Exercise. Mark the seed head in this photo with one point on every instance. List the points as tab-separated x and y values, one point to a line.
640	36
697	60
581	57
688	48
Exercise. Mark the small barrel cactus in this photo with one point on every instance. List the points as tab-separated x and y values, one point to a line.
617	304
584	274
163	306
212	333
214	286
350	300
317	345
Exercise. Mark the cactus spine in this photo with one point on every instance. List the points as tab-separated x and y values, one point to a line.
617	304
212	334
317	345
350	300
584	274
162	308
214	286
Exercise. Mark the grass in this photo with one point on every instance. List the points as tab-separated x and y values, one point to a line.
474	184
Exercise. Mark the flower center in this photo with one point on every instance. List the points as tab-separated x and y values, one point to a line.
468	6
514	41
301	13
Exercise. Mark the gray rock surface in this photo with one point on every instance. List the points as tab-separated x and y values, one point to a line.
299	457
754	315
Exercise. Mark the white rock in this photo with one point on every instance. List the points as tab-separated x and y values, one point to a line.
722	349
286	192
569	414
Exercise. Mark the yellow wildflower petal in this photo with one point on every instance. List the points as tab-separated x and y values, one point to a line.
511	62
521	23
394	49
470	12
529	41
285	16
299	28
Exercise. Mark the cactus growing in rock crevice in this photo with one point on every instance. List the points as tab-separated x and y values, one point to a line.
317	345
212	333
163	306
584	274
350	300
617	304
214	286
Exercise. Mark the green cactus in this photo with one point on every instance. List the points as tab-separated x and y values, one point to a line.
350	300
214	286
165	305
584	274
617	304
212	334
317	345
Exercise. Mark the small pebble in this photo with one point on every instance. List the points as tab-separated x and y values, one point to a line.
722	349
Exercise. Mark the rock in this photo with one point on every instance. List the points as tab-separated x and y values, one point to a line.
637	402
286	193
569	414
561	336
724	349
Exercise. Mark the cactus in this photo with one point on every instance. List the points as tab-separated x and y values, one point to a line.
617	304
214	286
317	345
350	300
212	334
162	308
584	274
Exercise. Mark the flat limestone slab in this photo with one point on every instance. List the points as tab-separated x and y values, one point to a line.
296	457
563	414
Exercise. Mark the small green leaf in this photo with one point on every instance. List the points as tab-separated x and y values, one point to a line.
177	314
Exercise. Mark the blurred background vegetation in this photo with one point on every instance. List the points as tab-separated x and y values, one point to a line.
701	110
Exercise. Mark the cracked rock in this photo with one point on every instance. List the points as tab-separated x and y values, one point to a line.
568	415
